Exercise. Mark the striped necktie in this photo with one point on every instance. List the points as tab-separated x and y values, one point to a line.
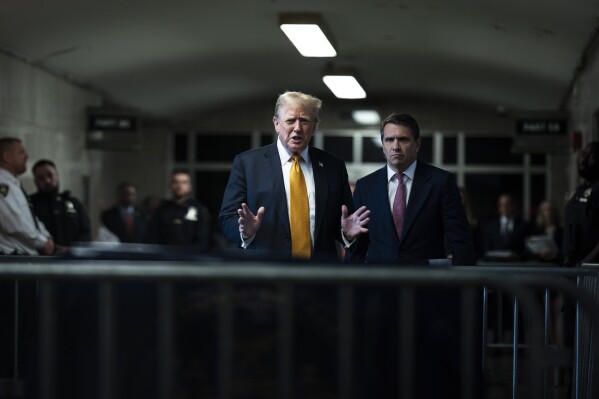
299	212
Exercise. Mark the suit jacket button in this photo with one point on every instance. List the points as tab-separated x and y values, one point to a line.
288	237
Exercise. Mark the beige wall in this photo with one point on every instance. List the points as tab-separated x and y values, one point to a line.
48	114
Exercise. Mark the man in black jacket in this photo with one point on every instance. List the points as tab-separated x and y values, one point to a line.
182	221
62	214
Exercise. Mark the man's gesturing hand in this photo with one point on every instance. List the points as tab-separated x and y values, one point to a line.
248	222
354	224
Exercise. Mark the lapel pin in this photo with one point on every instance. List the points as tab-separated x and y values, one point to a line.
320	164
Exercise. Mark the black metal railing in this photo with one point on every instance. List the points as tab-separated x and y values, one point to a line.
580	285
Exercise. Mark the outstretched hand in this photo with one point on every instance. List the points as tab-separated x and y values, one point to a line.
355	224
249	223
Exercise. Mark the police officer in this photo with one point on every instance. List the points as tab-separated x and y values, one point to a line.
182	220
581	235
581	229
21	233
62	214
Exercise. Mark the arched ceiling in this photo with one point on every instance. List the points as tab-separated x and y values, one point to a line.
170	58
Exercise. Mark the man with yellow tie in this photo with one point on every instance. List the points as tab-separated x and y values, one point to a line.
287	198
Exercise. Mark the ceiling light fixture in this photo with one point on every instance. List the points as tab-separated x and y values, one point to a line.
343	83
306	32
366	116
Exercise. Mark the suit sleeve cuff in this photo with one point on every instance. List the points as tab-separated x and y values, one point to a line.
246	243
347	244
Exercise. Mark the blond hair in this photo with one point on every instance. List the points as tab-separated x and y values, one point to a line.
300	99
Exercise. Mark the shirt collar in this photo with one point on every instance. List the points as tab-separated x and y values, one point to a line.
7	175
408	172
286	155
127	209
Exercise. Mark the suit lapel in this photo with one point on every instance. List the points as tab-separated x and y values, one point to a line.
421	187
321	189
272	167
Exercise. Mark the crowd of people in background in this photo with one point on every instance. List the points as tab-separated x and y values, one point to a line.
50	221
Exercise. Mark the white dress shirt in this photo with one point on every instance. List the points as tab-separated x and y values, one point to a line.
506	226
18	231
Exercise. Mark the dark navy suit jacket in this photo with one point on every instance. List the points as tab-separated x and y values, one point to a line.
113	220
434	211
514	241
257	179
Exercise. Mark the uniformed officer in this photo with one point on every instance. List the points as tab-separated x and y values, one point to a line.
21	233
581	228
581	231
182	220
62	214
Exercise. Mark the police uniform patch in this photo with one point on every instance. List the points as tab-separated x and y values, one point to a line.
69	207
192	214
4	189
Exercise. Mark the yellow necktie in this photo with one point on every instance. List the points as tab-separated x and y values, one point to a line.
299	218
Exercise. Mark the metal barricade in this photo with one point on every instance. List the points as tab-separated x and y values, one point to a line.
516	282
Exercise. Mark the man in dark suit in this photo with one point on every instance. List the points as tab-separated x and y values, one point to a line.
125	219
290	200
410	229
417	217
258	203
506	233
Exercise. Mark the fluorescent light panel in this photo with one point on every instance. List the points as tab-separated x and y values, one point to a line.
366	116
344	86
309	40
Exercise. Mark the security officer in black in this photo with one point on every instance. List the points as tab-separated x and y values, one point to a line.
581	232
581	228
182	221
62	214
